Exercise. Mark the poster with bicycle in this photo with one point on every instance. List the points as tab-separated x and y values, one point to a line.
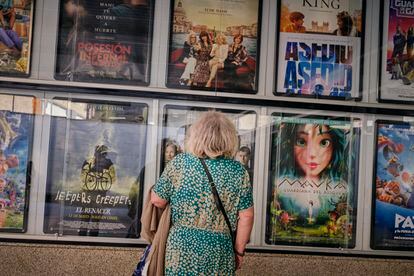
96	168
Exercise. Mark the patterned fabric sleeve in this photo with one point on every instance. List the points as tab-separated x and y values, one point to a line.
163	187
246	193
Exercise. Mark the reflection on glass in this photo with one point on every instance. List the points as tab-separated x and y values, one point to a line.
393	200
96	168
178	119
312	191
16	134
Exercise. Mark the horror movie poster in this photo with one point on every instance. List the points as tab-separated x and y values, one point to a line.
96	168
393	188
16	26
16	135
178	119
397	59
313	181
319	48
105	41
214	45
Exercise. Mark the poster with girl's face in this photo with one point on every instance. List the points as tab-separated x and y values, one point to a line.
320	48
214	45
178	120
312	189
393	186
16	136
397	55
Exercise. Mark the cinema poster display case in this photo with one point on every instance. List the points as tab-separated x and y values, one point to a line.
214	45
393	186
16	136
313	180
396	82
177	120
105	41
95	169
16	28
320	47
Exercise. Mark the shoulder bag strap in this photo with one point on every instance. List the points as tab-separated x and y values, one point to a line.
217	199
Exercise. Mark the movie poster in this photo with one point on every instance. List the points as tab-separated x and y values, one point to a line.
313	182
16	25
96	169
105	41
178	119
214	45
16	134
397	57
393	199
320	48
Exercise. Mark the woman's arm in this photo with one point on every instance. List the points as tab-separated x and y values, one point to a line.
244	228
158	201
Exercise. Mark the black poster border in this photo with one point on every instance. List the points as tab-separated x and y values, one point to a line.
59	77
361	65
373	194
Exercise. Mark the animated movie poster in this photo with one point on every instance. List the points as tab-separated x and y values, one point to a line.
96	169
16	133
319	51
393	205
313	183
16	25
178	119
397	70
214	45
105	41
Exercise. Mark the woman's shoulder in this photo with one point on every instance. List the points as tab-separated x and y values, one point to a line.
234	165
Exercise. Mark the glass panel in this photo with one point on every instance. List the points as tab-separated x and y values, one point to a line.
178	119
96	168
397	56
16	136
320	48
105	41
16	37
393	200
214	45
313	184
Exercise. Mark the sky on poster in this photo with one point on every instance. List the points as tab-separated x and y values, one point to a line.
221	13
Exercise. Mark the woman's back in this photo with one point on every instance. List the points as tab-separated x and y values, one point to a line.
199	233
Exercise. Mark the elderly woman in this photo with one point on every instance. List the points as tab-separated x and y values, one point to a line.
219	54
199	241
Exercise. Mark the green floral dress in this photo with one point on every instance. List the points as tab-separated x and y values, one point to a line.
199	242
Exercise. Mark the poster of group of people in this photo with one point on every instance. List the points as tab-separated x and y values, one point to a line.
397	56
178	119
105	41
16	133
16	27
319	48
393	202
214	45
313	182
96	169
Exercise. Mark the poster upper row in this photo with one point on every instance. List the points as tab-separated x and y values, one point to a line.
214	45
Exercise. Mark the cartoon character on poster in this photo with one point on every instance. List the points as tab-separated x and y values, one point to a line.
14	157
394	186
214	45
311	200
319	47
15	34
